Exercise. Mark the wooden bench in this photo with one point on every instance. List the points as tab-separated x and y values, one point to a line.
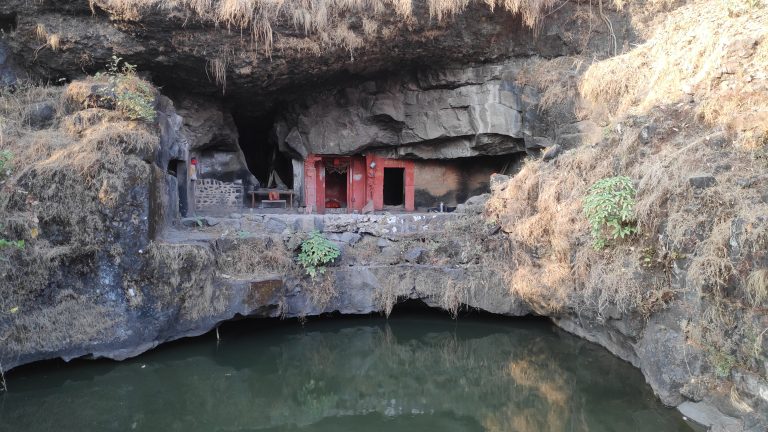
283	202
266	192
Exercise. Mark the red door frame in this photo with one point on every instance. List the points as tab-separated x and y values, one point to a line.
376	165
314	182
365	181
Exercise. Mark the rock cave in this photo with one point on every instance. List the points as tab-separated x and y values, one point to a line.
579	186
431	144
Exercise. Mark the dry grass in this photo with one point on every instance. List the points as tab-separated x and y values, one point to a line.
556	80
757	287
73	320
50	40
258	257
54	42
465	268
251	257
385	298
183	279
321	289
703	51
324	19
66	174
541	211
218	68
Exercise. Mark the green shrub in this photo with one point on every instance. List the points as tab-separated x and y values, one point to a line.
4	243
722	362
138	102
6	167
316	252
609	207
135	97
19	244
6	164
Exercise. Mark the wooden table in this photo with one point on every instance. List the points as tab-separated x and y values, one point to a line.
266	192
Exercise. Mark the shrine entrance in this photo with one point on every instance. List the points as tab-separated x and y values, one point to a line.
357	183
394	186
336	179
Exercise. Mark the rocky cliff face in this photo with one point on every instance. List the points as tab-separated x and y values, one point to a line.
186	50
109	270
151	282
446	114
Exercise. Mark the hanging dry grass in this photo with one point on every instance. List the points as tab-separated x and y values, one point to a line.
253	257
184	280
218	69
556	79
757	287
324	18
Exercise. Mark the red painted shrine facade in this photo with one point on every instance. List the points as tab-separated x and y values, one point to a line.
351	182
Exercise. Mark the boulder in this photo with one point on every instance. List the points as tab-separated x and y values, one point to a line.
350	238
415	255
473	205
552	152
646	133
41	114
708	415
702	181
9	71
499	182
275	225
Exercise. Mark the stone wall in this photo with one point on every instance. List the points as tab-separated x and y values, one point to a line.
214	195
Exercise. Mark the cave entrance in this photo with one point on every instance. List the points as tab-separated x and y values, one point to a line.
8	22
394	186
273	168
177	169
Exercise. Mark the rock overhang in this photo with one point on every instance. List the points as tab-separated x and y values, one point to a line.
182	51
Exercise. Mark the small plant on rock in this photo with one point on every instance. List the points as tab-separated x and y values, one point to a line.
609	207
134	96
18	244
316	252
722	362
6	164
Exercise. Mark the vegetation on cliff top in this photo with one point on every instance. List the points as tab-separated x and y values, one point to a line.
685	116
77	151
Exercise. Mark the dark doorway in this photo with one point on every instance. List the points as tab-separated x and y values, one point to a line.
394	186
335	189
8	22
259	144
178	169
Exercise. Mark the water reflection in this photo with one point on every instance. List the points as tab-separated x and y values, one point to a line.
418	374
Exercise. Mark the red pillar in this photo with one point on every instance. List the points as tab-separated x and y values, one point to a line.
410	190
313	184
357	184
